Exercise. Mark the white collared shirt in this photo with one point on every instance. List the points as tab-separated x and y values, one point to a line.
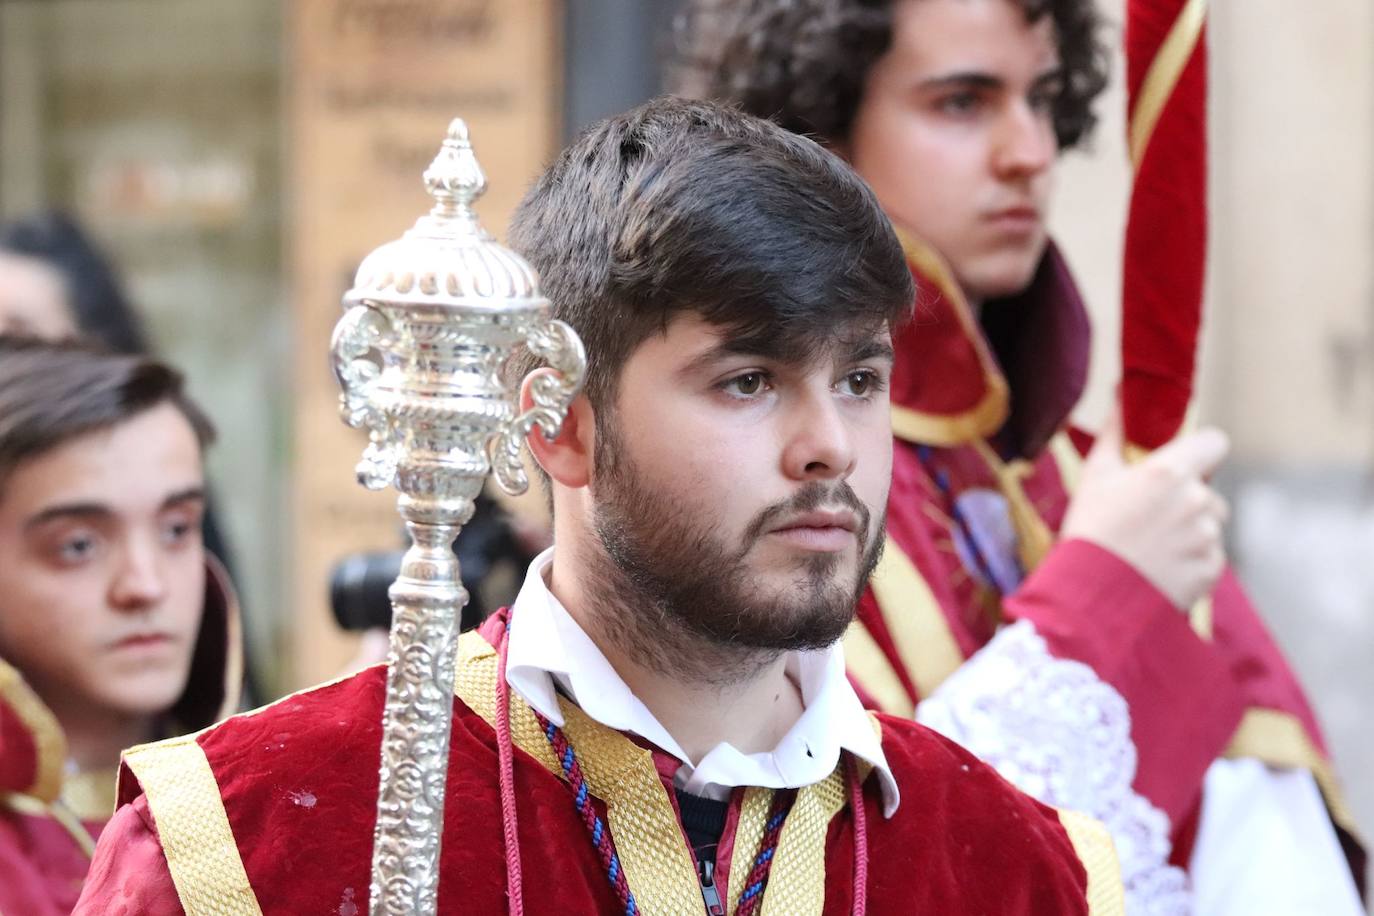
547	643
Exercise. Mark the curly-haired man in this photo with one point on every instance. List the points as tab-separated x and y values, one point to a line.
1038	597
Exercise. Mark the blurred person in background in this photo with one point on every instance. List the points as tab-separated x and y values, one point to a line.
116	627
55	283
1041	596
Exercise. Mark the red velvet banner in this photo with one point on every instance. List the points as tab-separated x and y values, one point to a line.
1166	231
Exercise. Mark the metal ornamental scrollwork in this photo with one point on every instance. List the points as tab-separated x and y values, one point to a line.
426	601
552	393
357	336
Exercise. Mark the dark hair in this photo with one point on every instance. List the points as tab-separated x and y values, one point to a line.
804	63
688	206
53	392
98	305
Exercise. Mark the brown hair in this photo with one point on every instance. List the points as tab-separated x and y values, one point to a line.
690	206
804	63
53	392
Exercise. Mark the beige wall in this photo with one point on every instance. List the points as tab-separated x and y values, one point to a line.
1295	230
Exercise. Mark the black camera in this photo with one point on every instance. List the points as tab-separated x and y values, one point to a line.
358	585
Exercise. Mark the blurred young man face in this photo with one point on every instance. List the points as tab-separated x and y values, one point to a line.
102	572
956	137
742	491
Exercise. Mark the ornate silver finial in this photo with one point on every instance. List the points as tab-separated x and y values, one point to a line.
420	355
447	257
454	178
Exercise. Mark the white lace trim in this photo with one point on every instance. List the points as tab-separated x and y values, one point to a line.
1056	731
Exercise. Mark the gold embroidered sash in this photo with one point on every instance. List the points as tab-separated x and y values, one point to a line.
645	826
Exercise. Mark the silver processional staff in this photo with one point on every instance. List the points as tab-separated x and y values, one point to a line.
431	321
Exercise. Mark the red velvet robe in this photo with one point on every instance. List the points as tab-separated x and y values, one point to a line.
297	782
49	819
985	407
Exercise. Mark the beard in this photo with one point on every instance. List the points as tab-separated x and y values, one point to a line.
680	596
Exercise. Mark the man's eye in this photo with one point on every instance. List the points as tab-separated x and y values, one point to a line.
175	533
861	383
750	383
959	103
76	549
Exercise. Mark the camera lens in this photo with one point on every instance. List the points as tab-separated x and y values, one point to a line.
358	589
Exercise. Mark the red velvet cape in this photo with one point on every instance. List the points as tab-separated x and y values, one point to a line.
1191	700
298	781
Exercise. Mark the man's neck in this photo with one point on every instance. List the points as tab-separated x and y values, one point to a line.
707	695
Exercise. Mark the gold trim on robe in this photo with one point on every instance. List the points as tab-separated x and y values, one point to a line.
649	838
1276	738
193	827
55	811
987	416
1067	461
207	870
1033	537
50	745
88	796
639	813
1093	844
923	428
870	668
195	809
1280	740
1166	68
797	881
91	795
753	817
925	644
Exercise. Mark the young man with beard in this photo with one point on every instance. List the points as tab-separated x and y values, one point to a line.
1002	577
115	626
685	738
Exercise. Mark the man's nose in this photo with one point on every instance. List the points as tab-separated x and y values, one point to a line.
820	442
1025	143
140	579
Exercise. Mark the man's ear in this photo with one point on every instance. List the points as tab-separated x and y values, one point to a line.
567	458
